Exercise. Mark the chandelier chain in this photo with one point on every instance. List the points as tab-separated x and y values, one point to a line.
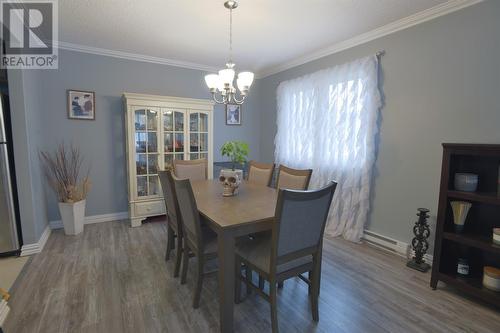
230	35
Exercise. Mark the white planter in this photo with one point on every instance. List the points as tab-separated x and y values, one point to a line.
73	216
230	189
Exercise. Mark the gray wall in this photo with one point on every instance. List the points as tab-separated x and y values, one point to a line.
102	141
441	82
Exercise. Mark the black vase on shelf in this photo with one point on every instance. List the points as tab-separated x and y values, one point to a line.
419	243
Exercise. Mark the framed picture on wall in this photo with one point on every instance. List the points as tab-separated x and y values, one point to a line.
233	114
81	104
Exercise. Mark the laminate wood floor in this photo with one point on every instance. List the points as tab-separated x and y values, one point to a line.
113	278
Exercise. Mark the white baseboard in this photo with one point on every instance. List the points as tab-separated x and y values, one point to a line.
94	219
389	244
4	311
29	249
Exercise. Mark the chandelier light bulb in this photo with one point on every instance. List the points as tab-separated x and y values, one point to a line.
227	76
212	81
245	79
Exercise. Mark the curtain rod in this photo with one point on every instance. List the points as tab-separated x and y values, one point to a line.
380	53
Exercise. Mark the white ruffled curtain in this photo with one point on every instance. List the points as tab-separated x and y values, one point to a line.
328	121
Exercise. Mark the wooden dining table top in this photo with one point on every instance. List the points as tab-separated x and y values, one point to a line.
253	203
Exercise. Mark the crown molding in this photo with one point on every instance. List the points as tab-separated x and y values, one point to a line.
404	23
133	56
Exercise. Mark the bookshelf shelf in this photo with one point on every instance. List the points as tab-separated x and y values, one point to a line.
479	242
472	286
487	198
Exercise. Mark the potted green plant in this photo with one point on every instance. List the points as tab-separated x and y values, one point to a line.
62	170
237	152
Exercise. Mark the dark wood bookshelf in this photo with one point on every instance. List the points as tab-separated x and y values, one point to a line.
475	242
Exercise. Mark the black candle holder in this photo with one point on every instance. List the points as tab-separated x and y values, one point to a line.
419	243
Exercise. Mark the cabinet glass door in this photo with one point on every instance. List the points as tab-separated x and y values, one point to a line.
173	136
198	135
146	151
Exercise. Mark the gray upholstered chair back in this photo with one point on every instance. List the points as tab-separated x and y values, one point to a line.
293	179
301	217
192	170
260	173
170	197
188	210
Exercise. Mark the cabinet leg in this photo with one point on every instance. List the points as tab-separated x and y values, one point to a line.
137	222
434	282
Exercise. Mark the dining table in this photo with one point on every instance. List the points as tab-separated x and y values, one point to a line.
249	211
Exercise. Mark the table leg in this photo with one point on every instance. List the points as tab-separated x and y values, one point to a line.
226	280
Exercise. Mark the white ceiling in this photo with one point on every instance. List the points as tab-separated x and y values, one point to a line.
267	33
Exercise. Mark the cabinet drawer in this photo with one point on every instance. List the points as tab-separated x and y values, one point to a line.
150	208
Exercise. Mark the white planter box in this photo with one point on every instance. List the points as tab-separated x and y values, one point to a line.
73	216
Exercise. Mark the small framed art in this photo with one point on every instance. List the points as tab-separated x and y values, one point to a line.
81	104
233	114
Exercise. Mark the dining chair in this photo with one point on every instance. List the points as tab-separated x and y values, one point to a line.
174	224
201	242
292	248
191	169
291	179
260	173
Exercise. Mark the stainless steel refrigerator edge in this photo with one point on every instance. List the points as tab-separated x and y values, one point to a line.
8	231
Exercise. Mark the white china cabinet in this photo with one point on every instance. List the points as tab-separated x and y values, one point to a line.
161	129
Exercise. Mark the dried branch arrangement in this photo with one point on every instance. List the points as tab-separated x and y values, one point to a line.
62	170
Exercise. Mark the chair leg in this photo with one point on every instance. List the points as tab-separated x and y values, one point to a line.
199	281
315	289
185	261
310	275
261	283
320	260
274	310
237	282
280	284
248	279
178	256
170	240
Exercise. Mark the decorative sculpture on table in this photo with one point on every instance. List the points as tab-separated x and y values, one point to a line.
419	242
230	184
460	211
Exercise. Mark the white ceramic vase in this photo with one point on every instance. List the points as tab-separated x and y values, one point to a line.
73	216
230	180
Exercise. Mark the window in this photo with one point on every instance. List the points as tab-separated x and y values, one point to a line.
327	121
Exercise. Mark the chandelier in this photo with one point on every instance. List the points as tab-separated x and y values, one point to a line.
223	82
